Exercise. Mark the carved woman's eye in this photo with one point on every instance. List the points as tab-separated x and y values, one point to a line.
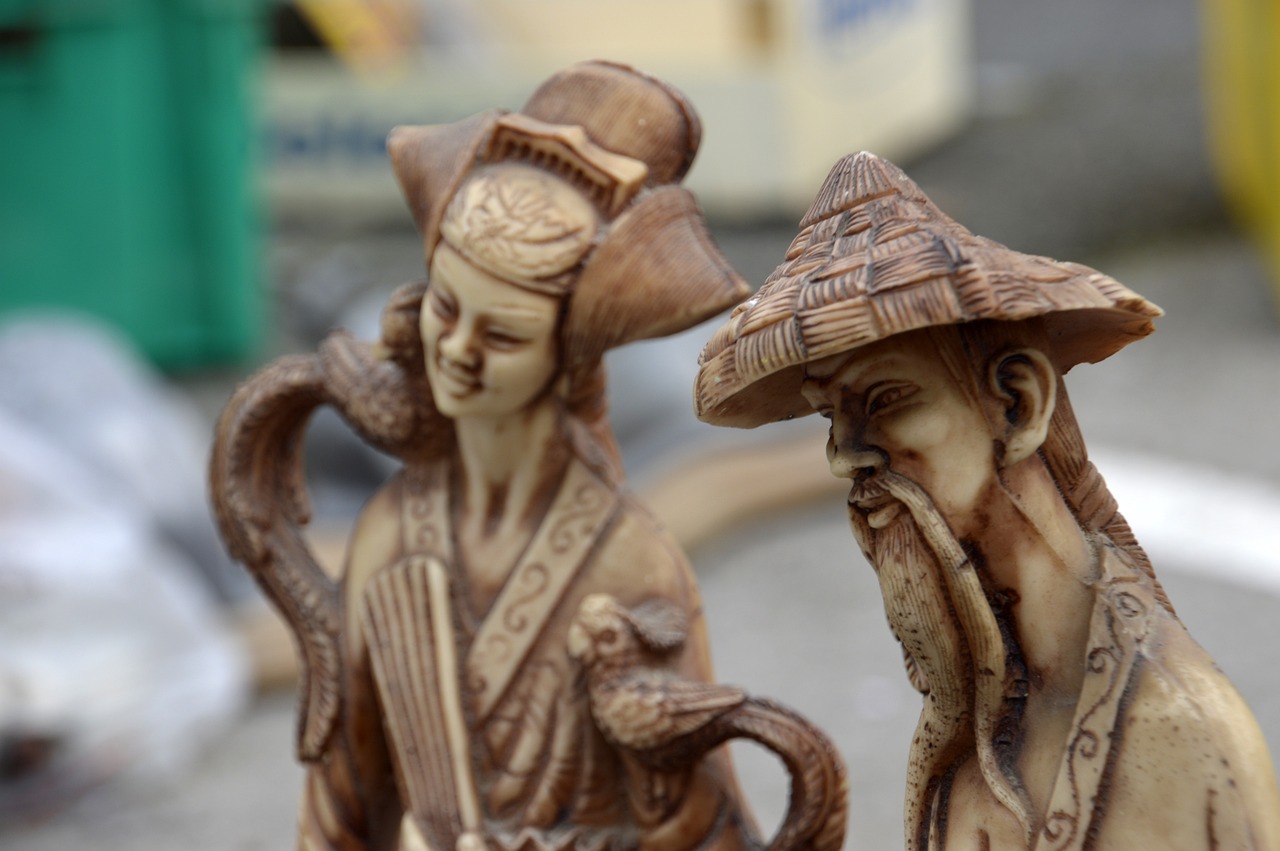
496	338
442	305
608	636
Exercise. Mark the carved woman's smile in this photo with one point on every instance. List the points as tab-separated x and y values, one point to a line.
458	380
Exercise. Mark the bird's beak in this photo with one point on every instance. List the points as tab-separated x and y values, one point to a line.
579	641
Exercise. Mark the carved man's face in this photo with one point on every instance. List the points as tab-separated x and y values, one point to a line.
894	406
919	451
490	346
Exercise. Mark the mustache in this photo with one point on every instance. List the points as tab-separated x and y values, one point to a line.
888	485
870	489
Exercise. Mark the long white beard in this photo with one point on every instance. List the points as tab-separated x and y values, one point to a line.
936	607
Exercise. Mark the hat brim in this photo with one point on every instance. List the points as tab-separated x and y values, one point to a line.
723	396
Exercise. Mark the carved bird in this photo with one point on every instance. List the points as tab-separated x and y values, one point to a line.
638	706
668	722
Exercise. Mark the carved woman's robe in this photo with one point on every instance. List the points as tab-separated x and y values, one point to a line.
475	724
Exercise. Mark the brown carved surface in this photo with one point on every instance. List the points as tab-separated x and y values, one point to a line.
440	706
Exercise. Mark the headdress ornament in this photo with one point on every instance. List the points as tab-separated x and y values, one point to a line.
621	138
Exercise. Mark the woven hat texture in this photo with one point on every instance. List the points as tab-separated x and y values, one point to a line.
875	258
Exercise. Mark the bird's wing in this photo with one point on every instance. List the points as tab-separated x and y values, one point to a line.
691	705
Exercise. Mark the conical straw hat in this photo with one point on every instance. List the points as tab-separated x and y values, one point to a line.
876	258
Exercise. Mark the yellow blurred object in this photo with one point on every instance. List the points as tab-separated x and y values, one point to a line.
1242	73
373	37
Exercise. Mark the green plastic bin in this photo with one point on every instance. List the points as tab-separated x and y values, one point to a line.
126	161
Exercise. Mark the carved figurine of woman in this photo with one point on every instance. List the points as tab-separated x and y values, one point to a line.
440	708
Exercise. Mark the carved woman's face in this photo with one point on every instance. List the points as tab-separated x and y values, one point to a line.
490	346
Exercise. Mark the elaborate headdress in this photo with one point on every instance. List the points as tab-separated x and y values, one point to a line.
876	258
621	138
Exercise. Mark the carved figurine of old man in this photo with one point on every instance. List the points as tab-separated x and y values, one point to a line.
1065	705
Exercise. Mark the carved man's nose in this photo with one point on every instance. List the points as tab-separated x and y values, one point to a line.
848	453
856	463
850	459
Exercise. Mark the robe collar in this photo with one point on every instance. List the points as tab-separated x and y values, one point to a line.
583	508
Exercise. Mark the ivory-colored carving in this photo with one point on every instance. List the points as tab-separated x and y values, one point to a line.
460	688
1064	704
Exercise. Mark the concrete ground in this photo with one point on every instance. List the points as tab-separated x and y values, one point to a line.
1087	145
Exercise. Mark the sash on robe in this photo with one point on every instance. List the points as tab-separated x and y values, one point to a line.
1122	619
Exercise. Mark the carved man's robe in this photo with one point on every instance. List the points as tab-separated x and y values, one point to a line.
532	771
1162	751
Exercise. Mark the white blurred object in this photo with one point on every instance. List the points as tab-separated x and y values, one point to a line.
134	441
114	658
1169	504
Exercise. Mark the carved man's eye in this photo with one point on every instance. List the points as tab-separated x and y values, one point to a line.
882	396
608	636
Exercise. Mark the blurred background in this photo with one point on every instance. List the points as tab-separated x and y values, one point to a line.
189	188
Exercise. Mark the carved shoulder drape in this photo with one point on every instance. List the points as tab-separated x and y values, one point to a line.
259	494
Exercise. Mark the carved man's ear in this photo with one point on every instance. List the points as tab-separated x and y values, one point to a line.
1026	383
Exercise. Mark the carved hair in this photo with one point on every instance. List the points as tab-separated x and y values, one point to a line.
1064	453
1086	493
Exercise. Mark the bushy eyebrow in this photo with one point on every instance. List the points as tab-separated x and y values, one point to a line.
863	370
